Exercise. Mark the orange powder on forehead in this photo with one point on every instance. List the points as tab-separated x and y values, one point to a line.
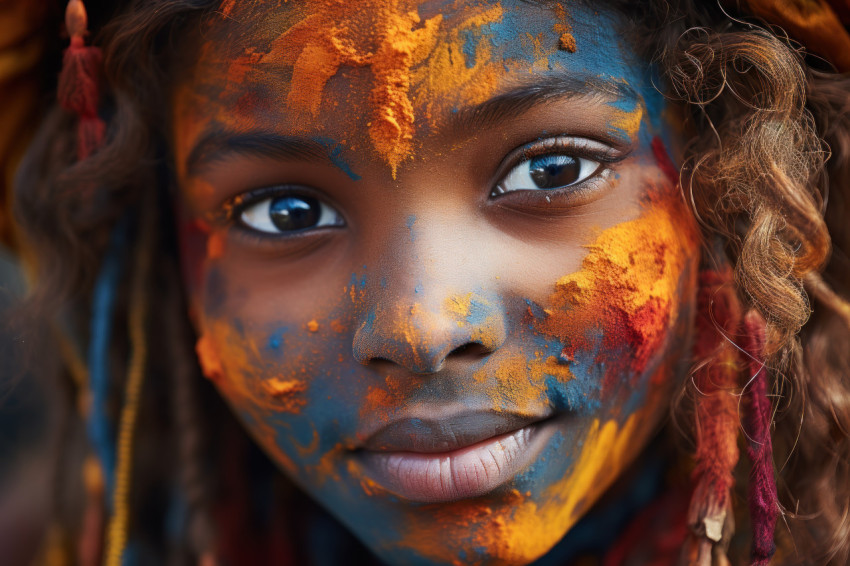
449	79
566	40
402	52
386	35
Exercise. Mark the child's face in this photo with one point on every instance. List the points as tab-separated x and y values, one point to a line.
437	259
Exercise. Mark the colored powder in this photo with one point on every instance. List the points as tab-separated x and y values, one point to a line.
458	306
215	245
384	35
313	326
627	288
567	42
335	151
243	370
392	128
562	27
284	391
208	358
627	122
520	383
383	400
484	320
520	529
460	71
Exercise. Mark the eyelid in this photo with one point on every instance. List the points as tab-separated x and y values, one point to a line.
232	207
231	210
579	146
586	148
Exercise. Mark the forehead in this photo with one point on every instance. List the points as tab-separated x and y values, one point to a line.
390	71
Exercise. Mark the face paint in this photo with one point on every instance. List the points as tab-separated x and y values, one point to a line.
456	351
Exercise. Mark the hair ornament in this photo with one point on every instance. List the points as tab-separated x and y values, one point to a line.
710	516
764	505
79	81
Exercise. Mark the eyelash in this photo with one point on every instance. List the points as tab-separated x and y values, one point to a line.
234	208
581	148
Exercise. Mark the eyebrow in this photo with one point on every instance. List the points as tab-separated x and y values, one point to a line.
516	102
217	145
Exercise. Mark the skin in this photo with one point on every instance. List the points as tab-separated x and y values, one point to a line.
433	293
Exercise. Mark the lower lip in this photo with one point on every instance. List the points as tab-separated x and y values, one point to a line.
471	471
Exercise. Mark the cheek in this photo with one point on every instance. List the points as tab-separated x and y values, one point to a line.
621	313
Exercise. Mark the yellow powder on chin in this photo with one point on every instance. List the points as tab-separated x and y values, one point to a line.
518	530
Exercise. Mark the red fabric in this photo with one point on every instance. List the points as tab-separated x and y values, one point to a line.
716	409
79	92
764	508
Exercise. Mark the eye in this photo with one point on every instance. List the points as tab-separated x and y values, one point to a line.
546	172
287	214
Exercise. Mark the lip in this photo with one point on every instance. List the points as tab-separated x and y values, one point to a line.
462	456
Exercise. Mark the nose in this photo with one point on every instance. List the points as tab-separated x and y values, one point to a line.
423	332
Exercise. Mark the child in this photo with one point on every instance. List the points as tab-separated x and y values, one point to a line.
450	264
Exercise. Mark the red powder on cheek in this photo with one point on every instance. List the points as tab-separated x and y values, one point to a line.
215	246
627	289
662	157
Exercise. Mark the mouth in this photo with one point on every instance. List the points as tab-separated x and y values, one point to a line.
460	457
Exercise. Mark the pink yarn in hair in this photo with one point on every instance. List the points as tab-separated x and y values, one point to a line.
764	508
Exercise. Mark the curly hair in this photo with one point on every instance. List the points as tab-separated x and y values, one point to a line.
766	170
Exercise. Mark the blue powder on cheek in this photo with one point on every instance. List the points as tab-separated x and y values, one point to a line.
358	283
276	339
581	394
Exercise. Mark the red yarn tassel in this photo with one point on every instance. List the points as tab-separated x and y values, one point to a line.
764	507
710	514
79	82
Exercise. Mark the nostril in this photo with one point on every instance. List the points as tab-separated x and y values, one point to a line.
472	350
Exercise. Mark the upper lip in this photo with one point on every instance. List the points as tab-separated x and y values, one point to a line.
452	432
